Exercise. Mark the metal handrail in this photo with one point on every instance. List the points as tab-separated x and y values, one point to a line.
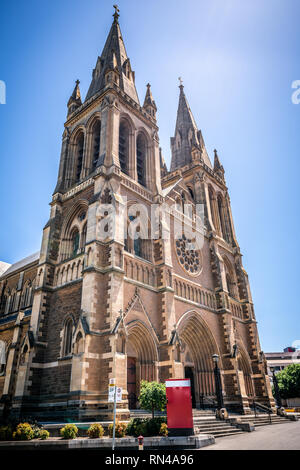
210	401
264	408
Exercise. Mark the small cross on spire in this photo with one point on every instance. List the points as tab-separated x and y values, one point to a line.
180	82
116	13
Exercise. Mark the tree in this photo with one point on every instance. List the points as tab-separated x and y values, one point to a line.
289	381
152	396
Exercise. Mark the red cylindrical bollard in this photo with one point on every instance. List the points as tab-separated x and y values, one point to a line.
141	442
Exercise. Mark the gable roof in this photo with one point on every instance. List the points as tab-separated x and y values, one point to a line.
21	264
3	267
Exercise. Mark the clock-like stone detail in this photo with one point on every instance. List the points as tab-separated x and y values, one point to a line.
189	258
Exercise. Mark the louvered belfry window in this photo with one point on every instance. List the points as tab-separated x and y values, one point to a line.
124	147
141	158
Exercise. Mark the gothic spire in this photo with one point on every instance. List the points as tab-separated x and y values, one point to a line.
163	166
218	168
187	144
113	59
185	119
75	99
149	103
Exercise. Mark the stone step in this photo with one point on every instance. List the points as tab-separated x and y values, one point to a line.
208	430
217	432
217	427
263	417
224	431
264	421
267	420
213	425
196	413
228	433
201	422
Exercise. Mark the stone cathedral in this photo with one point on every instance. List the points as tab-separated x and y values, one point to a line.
85	309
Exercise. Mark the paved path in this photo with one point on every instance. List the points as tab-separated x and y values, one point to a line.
273	437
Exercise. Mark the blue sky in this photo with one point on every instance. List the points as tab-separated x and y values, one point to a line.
238	60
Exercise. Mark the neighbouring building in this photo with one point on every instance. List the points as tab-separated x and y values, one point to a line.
86	309
277	361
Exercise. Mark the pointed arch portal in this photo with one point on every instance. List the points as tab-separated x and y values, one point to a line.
142	359
244	365
198	347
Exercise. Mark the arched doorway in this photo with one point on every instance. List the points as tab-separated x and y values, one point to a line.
244	365
131	382
189	374
142	360
198	345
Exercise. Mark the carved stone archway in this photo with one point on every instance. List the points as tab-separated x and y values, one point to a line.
198	347
142	358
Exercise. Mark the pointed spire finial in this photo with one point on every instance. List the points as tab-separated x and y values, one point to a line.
76	92
149	103
75	99
116	13
187	144
217	164
113	58
218	168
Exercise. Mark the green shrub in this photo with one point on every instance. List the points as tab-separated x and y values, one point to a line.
70	431
163	429
154	424
5	433
145	426
289	381
44	434
24	432
120	429
95	431
137	427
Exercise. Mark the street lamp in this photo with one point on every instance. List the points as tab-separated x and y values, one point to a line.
218	382
276	388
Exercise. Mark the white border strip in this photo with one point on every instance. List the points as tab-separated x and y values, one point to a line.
178	383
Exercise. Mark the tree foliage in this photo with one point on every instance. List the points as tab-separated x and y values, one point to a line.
152	396
289	381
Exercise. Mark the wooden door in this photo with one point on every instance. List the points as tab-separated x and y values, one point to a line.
131	382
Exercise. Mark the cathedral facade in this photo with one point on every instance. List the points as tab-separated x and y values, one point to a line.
96	302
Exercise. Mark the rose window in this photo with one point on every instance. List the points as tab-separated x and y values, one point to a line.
189	258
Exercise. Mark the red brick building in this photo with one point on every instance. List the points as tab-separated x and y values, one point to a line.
86	308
